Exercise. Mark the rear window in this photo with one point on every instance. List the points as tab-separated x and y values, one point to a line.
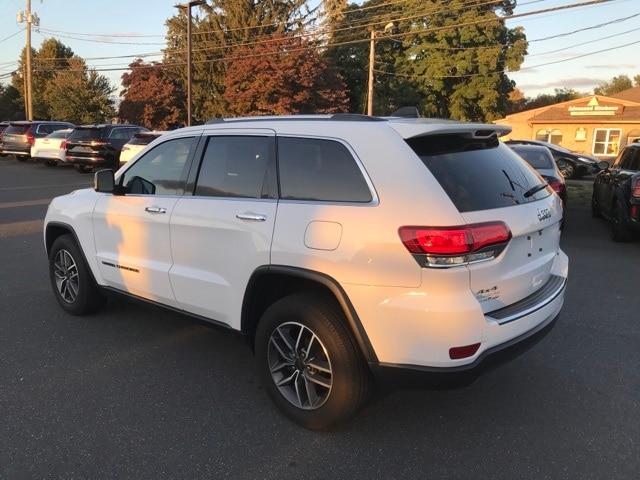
536	157
17	129
142	140
59	134
478	174
86	134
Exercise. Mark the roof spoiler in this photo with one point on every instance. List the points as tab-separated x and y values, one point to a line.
406	112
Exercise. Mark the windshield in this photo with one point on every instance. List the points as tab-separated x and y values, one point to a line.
479	174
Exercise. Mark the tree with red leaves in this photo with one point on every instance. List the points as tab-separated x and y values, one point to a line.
150	97
282	75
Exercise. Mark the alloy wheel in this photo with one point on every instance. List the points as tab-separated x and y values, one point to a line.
66	276
300	366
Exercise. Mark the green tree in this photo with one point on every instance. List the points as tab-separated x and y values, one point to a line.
79	95
349	49
459	54
150	97
282	75
52	57
225	26
616	85
9	103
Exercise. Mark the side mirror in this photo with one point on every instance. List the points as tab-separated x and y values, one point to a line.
603	165
103	181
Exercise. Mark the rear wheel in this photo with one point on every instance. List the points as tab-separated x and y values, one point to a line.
21	158
50	163
83	168
309	363
72	283
619	230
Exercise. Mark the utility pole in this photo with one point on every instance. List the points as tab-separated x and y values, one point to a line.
30	19
188	6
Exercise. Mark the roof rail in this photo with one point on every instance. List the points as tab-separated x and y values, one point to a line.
344	117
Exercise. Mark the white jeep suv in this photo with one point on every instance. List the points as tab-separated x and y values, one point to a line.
338	246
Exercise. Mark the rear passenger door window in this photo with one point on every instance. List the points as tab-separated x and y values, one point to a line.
319	170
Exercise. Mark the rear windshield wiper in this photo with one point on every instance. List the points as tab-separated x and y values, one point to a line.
536	189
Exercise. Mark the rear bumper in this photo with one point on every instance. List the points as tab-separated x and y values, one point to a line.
412	375
88	161
18	151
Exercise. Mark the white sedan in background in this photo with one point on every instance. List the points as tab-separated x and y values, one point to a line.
51	149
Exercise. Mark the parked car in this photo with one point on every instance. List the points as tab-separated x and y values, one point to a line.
616	193
541	159
3	127
332	262
137	143
50	150
18	137
98	145
571	164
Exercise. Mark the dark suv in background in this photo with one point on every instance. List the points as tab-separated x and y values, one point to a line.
18	137
616	193
98	145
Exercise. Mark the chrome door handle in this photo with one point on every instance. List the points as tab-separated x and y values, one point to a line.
155	210
256	217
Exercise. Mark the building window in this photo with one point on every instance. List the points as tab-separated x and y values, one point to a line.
550	136
606	141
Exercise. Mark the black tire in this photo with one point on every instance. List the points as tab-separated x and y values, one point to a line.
50	163
72	282
619	230
21	158
83	168
309	363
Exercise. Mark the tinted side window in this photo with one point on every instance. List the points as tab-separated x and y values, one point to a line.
161	171
234	166
478	174
323	170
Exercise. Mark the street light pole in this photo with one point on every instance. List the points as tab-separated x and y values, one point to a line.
188	6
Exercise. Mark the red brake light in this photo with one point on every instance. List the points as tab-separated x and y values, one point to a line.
63	145
635	188
450	246
556	185
30	138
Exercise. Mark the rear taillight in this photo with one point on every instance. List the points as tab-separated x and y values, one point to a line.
63	145
30	138
556	185
452	246
635	188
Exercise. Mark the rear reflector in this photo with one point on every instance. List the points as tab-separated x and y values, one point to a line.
635	188
457	353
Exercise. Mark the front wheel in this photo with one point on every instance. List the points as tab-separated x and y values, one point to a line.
309	362
72	283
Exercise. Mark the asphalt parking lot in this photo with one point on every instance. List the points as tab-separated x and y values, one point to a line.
135	392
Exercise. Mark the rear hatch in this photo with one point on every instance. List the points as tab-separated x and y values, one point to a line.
86	142
491	185
15	135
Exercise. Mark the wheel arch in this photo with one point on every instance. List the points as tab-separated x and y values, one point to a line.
271	283
54	230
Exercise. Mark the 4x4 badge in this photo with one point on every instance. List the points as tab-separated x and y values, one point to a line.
544	214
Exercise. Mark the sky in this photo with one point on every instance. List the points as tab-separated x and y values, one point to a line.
578	47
